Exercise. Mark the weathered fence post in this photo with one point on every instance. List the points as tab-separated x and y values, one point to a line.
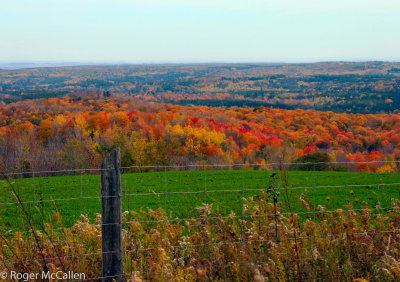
111	217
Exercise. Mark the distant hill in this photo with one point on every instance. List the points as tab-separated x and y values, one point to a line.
357	87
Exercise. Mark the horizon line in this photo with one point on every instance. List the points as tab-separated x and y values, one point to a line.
54	63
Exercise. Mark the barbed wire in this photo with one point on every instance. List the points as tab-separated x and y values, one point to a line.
198	166
199	192
257	164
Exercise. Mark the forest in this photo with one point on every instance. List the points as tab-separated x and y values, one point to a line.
77	130
352	87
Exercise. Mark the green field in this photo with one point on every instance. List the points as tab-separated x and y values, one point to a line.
225	189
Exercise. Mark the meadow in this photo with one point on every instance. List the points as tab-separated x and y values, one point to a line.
180	192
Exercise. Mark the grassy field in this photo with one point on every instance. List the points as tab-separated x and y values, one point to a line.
225	189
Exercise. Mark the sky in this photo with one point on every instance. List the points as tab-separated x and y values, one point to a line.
184	31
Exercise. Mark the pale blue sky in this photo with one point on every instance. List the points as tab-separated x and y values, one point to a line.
201	30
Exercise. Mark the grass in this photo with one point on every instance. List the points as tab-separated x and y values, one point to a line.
80	194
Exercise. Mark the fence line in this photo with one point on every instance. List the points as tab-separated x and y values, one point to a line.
200	192
257	164
198	166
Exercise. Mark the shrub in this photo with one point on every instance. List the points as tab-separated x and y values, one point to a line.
313	162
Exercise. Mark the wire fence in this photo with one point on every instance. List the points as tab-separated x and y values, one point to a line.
63	204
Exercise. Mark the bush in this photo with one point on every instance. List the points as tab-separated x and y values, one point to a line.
315	161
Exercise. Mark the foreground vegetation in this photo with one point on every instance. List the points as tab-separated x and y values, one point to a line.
264	245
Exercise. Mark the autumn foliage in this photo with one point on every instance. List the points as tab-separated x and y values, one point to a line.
76	131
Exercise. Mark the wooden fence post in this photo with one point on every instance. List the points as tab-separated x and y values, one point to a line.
111	217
